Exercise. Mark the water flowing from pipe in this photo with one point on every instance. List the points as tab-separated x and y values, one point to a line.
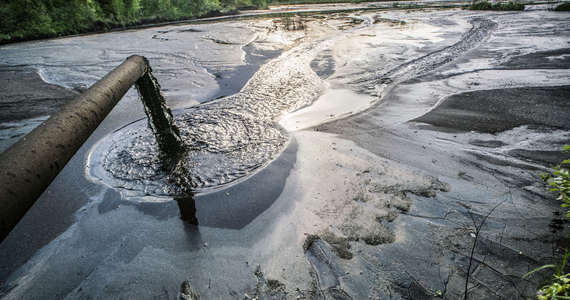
159	115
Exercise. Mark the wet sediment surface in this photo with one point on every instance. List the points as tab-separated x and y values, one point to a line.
415	195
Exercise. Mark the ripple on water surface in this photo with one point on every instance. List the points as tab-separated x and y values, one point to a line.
227	138
225	145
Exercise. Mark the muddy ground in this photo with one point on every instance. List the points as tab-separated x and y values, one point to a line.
414	175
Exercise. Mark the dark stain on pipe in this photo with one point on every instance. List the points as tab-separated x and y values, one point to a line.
42	151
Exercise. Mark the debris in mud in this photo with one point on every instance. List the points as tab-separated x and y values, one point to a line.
350	23
274	284
272	288
488	143
558	223
311	238
275	287
186	293
339	244
190	30
217	41
391	22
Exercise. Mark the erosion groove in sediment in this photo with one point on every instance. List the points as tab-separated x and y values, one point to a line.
374	82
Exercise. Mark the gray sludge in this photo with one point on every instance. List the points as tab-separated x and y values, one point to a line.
226	138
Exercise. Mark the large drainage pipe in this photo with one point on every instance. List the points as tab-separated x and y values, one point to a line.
29	166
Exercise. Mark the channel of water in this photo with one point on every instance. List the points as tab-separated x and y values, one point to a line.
227	139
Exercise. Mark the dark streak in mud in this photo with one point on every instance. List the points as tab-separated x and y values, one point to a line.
499	110
553	59
236	206
220	41
326	272
324	64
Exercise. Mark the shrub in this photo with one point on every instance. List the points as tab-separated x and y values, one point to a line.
560	181
563	7
559	287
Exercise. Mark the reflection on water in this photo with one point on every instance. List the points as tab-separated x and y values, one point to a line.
226	139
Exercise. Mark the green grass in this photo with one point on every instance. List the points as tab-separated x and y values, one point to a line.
484	5
560	181
559	286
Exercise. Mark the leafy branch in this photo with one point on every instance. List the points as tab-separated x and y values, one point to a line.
559	286
560	181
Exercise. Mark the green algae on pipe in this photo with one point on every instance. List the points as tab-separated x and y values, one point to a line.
29	166
160	119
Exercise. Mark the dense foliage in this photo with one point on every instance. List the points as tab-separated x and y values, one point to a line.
29	19
32	19
563	7
484	5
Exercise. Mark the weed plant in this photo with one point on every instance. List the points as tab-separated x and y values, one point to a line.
503	6
559	286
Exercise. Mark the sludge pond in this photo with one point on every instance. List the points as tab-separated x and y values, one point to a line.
361	157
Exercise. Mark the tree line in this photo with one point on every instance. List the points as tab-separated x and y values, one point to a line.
33	19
